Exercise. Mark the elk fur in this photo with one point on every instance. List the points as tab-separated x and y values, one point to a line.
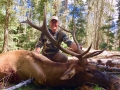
22	65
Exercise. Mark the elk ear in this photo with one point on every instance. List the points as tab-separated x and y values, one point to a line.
68	74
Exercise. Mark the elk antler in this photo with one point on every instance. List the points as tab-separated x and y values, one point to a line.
45	31
79	49
74	37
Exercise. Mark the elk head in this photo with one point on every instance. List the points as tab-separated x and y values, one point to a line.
79	71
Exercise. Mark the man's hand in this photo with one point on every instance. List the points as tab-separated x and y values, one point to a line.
37	49
74	48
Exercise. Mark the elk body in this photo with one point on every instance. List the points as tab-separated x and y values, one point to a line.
21	65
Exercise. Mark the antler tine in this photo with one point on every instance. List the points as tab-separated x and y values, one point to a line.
32	25
65	29
44	28
93	54
74	37
86	51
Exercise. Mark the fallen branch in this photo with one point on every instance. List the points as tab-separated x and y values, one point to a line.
106	68
19	85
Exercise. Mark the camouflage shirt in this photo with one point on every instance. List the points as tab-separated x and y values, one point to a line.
48	47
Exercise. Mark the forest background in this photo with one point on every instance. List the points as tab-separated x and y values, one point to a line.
96	21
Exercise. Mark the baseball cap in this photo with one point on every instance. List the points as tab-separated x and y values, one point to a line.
54	17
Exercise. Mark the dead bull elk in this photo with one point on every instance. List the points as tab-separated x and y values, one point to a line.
23	64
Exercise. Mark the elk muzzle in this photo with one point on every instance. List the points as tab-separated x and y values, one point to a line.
97	77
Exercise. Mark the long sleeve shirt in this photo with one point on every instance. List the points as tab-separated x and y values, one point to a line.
48	47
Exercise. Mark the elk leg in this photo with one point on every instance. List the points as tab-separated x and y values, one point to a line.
60	57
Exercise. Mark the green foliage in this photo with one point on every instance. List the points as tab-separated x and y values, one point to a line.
107	31
111	41
97	88
81	23
81	32
110	47
19	38
2	18
3	2
25	42
105	27
64	45
109	18
118	49
103	45
38	5
23	37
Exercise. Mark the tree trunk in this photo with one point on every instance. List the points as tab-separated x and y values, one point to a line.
5	44
119	44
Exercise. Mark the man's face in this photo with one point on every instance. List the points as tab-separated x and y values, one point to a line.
54	25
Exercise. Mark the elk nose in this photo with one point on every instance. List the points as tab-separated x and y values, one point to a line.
102	79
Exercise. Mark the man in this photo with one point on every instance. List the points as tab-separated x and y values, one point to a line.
49	50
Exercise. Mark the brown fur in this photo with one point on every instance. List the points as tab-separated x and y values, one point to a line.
23	64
